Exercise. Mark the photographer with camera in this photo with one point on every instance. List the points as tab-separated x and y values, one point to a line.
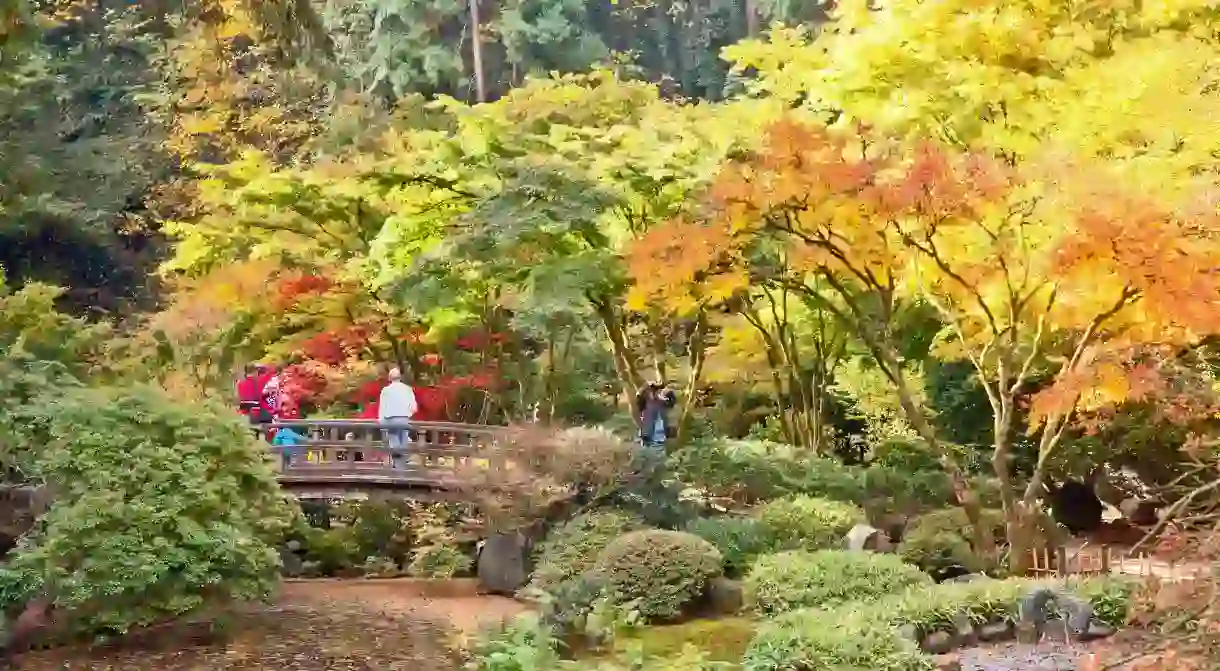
652	403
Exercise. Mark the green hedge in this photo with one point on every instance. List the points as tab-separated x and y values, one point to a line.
792	580
807	522
751	471
659	572
865	635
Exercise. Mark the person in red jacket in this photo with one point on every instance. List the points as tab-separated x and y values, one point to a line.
249	394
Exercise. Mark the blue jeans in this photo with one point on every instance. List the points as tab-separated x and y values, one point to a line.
396	438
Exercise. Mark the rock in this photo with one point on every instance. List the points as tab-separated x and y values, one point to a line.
291	565
995	631
502	568
1138	511
1097	630
894	526
947	662
937	643
865	537
293	546
963	631
1033	613
1027	633
725	596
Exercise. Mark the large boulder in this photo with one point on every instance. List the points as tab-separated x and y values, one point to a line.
865	537
502	565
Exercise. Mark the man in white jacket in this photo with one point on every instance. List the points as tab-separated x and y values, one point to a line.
395	409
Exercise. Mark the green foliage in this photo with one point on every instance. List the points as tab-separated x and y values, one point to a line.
658	572
572	609
752	471
808	522
161	508
572	549
524	643
789	581
739	539
864	635
905	455
941	539
438	560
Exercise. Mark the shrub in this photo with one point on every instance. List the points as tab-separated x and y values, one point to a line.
572	549
905	455
941	540
739	539
865	636
569	609
661	572
791	580
813	640
173	505
521	644
807	522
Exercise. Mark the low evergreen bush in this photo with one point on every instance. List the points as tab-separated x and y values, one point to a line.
807	522
789	581
739	540
864	636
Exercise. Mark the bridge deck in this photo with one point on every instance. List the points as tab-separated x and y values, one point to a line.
342	455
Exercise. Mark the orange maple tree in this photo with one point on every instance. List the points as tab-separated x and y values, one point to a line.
1036	270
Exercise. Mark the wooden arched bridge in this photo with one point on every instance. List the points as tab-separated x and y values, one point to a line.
342	458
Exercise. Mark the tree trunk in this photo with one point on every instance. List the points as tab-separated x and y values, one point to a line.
476	47
981	536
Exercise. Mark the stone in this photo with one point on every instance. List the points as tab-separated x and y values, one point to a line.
963	631
291	565
1027	633
995	631
725	596
293	546
502	564
1142	512
947	662
1096	630
1033	612
937	643
865	537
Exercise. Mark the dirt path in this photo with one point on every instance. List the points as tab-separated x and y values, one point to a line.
460	603
315	626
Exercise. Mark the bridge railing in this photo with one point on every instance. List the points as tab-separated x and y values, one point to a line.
432	453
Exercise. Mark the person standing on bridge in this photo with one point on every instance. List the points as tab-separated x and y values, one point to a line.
395	409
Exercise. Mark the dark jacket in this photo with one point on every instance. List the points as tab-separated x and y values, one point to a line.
649	408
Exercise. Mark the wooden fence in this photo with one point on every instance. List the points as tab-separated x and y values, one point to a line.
1088	561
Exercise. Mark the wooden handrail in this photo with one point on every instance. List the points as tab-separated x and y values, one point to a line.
433	453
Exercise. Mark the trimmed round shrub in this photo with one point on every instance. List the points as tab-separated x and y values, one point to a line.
571	549
791	580
808	522
739	540
660	571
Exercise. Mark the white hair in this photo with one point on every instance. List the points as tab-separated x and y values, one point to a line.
395	374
